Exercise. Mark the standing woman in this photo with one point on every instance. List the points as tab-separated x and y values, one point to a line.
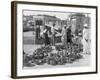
86	40
53	34
64	35
37	32
46	36
69	36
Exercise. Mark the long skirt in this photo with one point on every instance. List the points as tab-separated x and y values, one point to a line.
64	40
47	40
86	46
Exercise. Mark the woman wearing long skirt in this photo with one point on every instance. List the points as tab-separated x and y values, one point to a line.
86	40
46	37
64	36
69	36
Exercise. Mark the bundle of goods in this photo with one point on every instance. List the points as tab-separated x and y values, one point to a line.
60	47
27	60
40	54
46	49
62	57
51	59
77	48
74	56
40	61
54	59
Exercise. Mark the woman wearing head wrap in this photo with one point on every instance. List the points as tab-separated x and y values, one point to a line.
86	40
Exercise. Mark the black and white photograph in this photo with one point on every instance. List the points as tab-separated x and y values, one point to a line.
53	39
56	39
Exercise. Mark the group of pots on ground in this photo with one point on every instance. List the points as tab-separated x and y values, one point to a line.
47	55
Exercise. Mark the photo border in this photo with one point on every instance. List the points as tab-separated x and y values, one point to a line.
14	38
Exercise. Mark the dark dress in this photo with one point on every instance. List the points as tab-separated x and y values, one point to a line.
37	32
69	40
46	41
